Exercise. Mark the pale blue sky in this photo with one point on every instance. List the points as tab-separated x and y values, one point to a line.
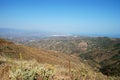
65	16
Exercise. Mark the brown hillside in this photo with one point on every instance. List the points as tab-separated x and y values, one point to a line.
98	52
70	66
8	49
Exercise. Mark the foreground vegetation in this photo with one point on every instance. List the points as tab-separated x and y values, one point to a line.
32	70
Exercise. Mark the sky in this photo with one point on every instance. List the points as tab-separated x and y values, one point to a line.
63	16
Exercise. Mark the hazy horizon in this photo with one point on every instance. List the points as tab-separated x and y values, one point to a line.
100	17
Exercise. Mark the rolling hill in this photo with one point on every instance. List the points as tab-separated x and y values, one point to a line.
99	52
19	62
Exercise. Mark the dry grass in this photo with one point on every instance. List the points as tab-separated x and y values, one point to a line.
33	70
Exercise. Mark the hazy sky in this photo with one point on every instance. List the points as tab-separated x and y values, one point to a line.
66	16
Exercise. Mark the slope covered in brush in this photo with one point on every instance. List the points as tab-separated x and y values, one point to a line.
26	59
11	50
99	51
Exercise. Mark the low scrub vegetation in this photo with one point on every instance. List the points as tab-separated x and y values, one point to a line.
32	70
